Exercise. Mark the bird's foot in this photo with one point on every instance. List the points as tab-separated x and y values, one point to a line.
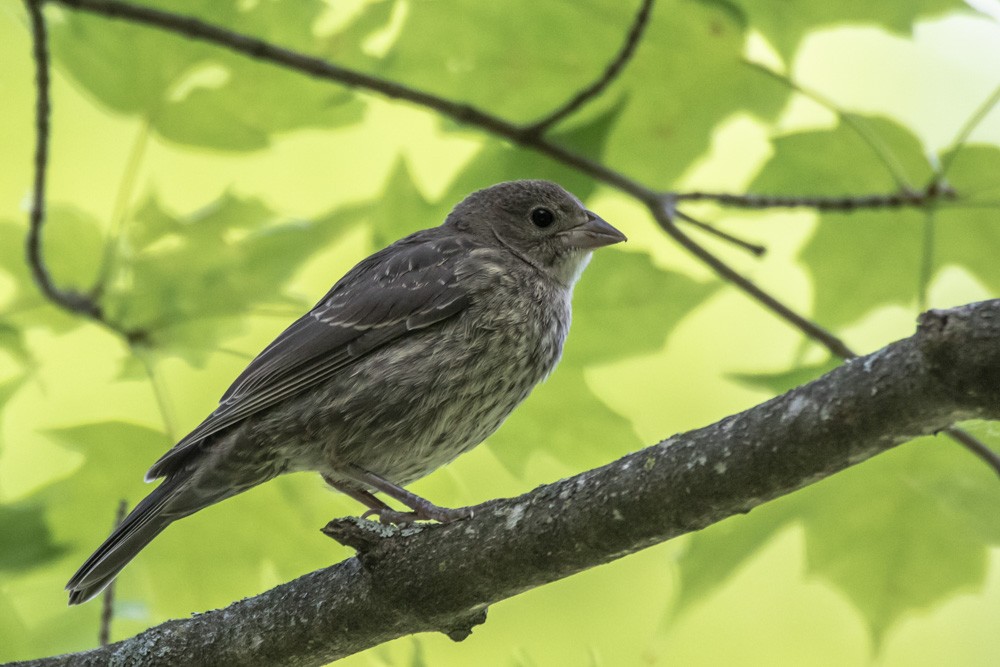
423	509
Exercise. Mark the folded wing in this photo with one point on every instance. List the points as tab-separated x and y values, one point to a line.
408	286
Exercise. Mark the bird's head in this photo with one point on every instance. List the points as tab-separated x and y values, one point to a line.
539	222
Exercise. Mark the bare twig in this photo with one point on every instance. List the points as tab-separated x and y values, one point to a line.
613	69
976	446
70	300
108	598
963	134
753	248
932	194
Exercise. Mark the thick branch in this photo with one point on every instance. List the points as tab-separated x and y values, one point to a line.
443	577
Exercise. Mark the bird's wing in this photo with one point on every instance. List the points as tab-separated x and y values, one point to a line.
405	287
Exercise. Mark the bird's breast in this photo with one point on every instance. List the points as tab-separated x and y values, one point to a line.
441	391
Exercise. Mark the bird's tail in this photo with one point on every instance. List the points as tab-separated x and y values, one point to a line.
137	530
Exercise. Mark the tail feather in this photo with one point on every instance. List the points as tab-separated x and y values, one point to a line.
142	524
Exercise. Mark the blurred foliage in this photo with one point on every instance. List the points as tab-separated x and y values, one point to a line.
200	283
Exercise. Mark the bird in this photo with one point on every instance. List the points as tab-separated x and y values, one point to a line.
416	355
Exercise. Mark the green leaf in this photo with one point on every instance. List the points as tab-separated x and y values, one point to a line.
918	537
198	94
8	388
785	29
712	556
499	161
967	233
401	209
185	281
668	112
901	533
14	633
887	243
72	244
116	456
12	342
625	306
25	539
688	76
444	49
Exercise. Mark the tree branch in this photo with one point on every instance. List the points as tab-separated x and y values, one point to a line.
930	195
443	577
67	299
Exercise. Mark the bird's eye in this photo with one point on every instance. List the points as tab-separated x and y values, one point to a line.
542	217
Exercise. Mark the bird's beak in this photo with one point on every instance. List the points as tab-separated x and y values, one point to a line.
592	234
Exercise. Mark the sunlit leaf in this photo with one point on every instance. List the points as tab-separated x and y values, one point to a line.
921	538
185	280
72	246
900	533
967	232
194	93
785	29
886	242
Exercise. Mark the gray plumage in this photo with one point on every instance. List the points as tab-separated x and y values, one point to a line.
416	355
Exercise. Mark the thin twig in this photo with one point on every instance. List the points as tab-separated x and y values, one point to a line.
926	270
845	204
126	188
158	391
613	69
70	300
753	248
669	201
963	134
108	599
975	446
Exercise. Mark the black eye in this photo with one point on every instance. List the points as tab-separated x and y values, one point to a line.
542	217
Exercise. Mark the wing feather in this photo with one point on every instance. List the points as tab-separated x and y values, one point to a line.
408	286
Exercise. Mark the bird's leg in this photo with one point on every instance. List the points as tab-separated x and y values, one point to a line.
423	509
374	505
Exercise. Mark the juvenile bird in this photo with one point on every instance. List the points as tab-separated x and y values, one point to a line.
415	356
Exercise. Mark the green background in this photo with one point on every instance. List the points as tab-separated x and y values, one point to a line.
214	198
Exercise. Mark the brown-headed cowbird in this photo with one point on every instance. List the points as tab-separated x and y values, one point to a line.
416	355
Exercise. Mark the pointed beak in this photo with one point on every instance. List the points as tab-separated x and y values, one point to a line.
592	234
